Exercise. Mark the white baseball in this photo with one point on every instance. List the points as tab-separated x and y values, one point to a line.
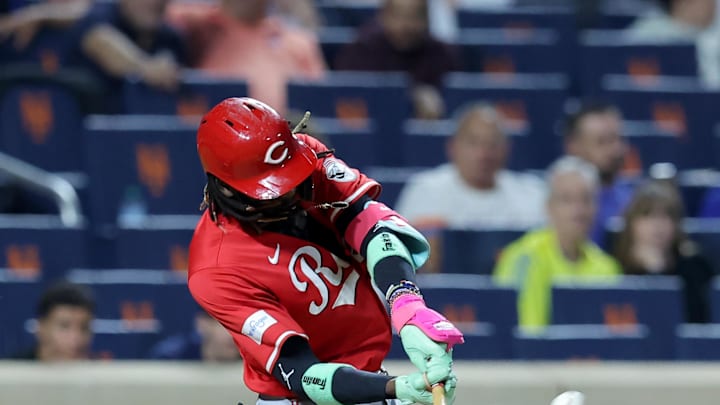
569	398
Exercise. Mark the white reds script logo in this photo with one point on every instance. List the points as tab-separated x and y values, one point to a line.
308	261
269	159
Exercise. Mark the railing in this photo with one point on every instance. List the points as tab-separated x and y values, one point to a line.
54	186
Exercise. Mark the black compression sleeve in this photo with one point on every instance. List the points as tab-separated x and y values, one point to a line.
295	358
349	385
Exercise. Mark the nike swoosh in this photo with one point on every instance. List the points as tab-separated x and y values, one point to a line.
276	257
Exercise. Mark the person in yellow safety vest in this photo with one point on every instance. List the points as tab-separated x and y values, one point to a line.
562	249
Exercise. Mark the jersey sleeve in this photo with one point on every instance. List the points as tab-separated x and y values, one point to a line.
257	322
335	181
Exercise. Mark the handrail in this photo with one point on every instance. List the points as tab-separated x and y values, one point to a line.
46	183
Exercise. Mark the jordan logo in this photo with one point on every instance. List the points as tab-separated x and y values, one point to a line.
274	259
286	376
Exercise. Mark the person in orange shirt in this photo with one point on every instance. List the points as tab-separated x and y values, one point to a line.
241	40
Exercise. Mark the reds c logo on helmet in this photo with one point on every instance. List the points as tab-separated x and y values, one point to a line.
250	147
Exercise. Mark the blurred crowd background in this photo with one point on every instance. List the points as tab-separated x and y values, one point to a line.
560	155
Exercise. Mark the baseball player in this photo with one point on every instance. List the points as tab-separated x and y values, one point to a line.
300	264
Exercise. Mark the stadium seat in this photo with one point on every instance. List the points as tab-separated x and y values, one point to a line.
651	144
162	243
677	106
196	95
352	141
530	104
18	299
706	232
532	18
479	307
512	51
697	342
474	251
611	52
41	248
424	144
358	96
148	301
142	163
652	301
392	179
485	314
344	13
42	125
582	342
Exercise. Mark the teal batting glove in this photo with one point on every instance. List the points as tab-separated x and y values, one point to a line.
423	351
413	388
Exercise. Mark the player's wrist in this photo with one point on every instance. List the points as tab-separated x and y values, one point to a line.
390	389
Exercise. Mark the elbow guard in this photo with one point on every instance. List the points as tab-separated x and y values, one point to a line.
375	215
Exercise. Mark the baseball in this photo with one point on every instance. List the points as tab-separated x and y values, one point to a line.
569	398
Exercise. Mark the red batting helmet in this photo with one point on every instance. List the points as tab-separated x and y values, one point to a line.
250	147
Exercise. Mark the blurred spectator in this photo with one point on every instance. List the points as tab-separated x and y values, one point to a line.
652	242
131	38
239	39
594	133
115	40
20	29
562	250
402	43
685	20
64	314
474	189
209	342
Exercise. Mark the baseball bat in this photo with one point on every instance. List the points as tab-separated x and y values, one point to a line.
438	394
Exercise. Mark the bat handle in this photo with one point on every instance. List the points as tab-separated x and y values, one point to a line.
438	394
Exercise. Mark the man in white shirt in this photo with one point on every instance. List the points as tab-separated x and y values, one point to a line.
474	190
685	21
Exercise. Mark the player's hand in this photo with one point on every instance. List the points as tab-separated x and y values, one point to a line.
414	388
426	335
424	352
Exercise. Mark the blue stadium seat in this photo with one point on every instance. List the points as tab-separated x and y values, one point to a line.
678	106
392	179
512	51
582	342
697	342
196	95
652	301
42	125
473	251
484	310
351	140
148	301
560	19
352	96
651	144
611	52
481	343
424	144
530	104
346	13
706	232
18	299
162	243
113	340
41	248
142	160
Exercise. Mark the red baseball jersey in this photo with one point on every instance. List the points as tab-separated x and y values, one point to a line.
267	287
